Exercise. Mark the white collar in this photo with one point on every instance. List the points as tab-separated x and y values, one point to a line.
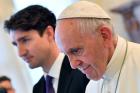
56	67
116	60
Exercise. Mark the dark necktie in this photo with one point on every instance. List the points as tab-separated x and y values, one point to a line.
49	85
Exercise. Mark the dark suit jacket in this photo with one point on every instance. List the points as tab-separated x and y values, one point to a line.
70	80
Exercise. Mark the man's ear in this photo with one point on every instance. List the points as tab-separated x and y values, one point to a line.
105	32
49	32
106	35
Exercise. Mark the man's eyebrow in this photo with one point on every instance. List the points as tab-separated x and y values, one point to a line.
19	39
69	50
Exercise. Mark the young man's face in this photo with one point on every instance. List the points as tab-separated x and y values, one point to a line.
32	47
85	50
8	86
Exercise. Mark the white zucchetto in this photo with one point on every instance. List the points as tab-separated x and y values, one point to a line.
83	9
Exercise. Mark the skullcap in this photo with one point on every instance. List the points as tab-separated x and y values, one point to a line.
83	9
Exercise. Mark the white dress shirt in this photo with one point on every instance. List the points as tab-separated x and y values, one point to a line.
55	70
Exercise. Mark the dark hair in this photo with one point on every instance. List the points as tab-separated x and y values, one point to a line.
4	78
34	17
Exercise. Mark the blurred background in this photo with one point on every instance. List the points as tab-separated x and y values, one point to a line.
125	16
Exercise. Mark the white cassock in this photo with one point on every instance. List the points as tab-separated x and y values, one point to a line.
123	71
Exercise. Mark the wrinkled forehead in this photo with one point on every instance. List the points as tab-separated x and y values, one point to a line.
67	25
65	28
66	33
70	22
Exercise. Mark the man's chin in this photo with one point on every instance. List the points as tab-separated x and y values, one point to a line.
32	67
92	77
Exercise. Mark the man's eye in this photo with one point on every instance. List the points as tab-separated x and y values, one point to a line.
25	40
14	43
76	51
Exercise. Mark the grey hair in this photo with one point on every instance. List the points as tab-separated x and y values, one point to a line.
92	24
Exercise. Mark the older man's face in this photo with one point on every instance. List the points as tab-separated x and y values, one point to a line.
85	50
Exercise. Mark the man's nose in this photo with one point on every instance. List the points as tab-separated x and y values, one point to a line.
74	62
21	50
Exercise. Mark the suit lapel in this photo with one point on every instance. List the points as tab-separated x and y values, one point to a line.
40	86
65	76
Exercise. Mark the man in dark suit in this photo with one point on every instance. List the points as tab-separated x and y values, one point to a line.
70	81
32	31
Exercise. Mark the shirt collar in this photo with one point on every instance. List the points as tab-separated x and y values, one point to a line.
116	60
56	67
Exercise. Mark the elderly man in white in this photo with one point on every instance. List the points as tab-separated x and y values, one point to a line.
84	32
